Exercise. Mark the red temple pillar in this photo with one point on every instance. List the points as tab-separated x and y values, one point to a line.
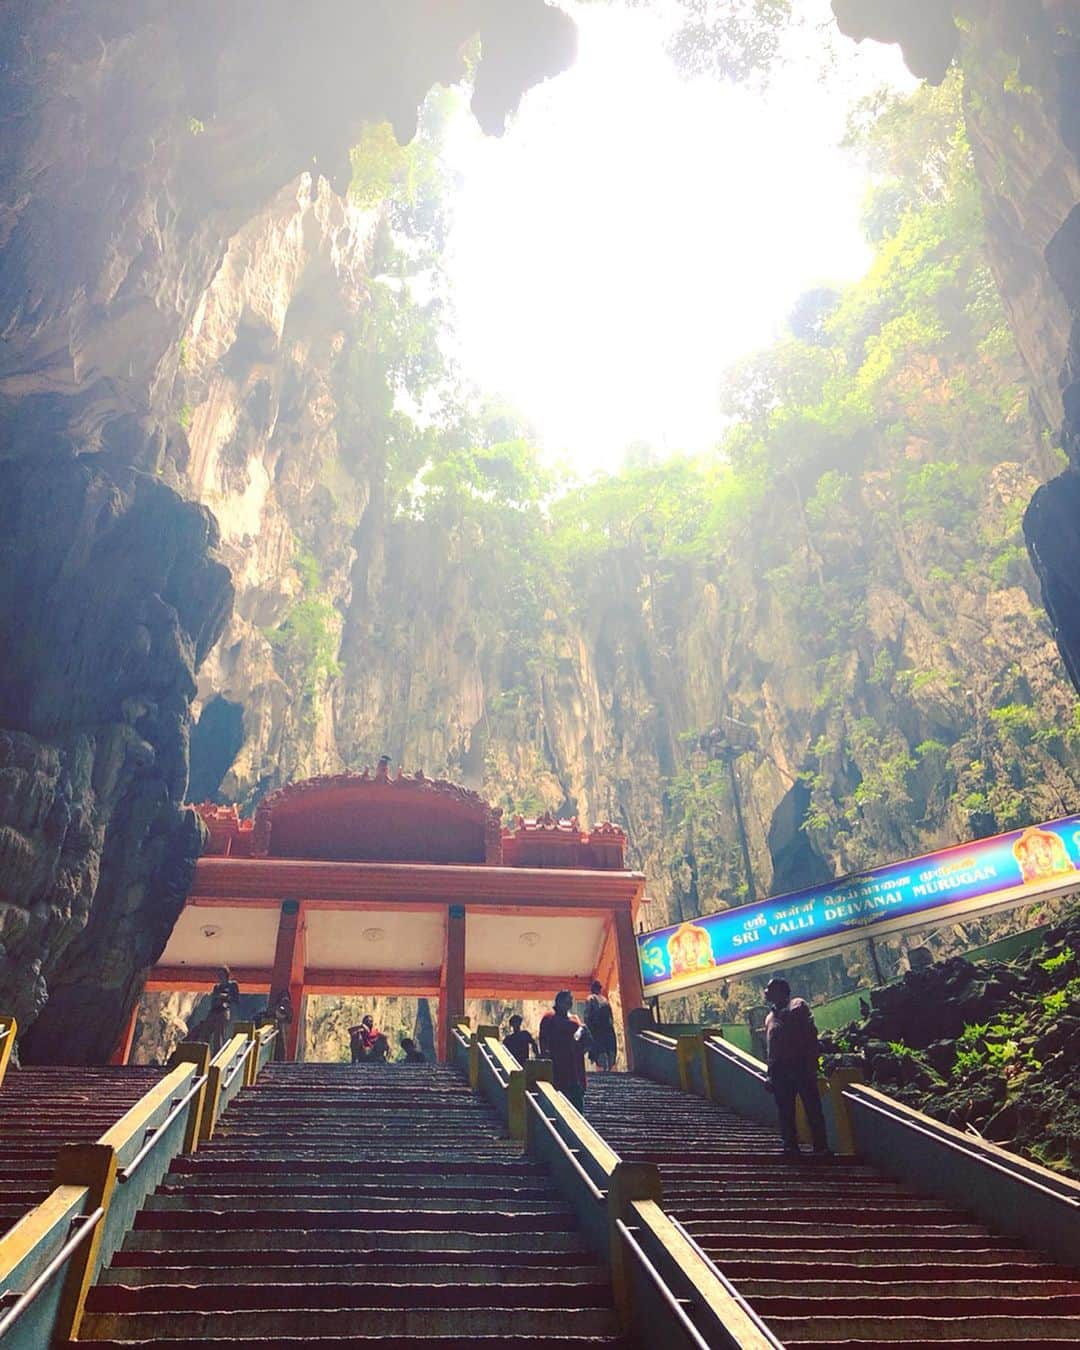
290	956
626	963
452	979
122	1052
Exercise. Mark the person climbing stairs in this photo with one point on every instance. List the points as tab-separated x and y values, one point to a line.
42	1109
832	1253
377	1205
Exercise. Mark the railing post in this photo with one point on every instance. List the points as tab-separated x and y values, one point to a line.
628	1182
516	1104
838	1080
536	1071
197	1053
474	1053
9	1029
706	1066
93	1166
212	1095
687	1050
247	1029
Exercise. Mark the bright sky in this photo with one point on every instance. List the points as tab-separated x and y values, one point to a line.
635	232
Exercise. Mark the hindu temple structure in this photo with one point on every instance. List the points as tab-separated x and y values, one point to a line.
374	884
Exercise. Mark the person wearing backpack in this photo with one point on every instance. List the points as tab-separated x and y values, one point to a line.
792	1041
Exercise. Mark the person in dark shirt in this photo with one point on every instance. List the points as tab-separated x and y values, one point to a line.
601	1024
792	1041
564	1040
365	1039
227	987
412	1055
520	1042
279	1010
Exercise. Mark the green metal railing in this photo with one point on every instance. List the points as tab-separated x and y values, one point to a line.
49	1259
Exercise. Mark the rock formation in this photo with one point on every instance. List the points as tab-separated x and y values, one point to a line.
98	681
990	1045
141	140
1021	63
182	288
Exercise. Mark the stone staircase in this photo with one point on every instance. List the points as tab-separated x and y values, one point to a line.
41	1109
375	1205
832	1254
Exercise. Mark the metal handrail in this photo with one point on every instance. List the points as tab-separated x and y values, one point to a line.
235	1068
178	1104
594	1189
5	1031
86	1224
1014	1173
496	1068
734	1055
665	1293
658	1038
719	1274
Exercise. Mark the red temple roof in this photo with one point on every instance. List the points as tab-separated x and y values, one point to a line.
373	817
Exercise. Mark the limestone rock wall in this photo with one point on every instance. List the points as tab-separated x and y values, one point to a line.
1021	63
97	852
151	151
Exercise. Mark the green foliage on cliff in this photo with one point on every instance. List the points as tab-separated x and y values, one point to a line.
307	638
850	539
734	39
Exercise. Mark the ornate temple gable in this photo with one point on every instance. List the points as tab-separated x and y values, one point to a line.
363	817
227	835
548	842
375	817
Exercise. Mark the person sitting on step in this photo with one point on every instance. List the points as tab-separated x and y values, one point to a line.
412	1054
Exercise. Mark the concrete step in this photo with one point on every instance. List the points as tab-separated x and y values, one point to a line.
378	1183
208	1163
494	1270
413	1219
555	1250
373	1238
140	1299
923	1330
514	1341
941	1305
245	1328
348	1156
881	1288
893	1264
810	1233
367	1201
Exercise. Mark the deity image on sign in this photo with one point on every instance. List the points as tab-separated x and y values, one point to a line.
1041	855
652	959
690	950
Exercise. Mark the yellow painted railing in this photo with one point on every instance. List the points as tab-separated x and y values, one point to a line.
9	1029
665	1286
713	1068
49	1259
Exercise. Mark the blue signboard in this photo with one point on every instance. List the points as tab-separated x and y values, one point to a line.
953	883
